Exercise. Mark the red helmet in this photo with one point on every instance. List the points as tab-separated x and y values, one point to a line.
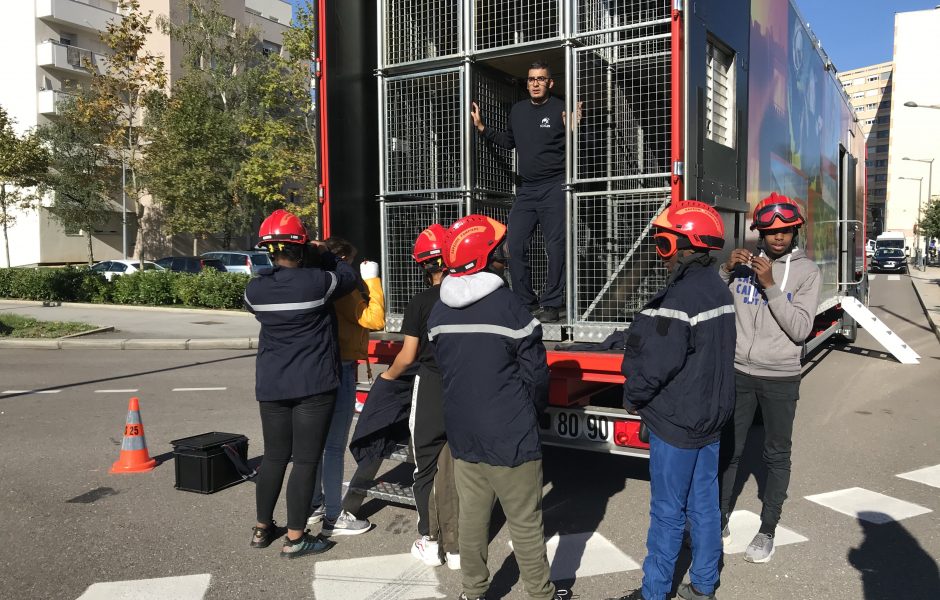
469	242
688	224
282	226
429	244
776	211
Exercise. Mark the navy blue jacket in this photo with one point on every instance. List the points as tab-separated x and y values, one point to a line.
679	357
495	377
383	423
298	351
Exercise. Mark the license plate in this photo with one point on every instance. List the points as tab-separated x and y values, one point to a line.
575	425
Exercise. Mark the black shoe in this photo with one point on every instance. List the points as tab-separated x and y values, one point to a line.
546	314
687	592
305	545
636	594
466	597
262	537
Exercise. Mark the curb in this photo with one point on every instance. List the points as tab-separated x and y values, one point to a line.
130	344
927	311
181	309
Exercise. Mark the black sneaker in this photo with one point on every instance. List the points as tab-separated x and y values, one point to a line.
636	594
466	597
688	592
262	537
546	314
305	545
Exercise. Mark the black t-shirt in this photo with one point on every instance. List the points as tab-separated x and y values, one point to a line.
415	323
538	135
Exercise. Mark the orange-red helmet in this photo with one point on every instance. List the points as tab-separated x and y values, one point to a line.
776	211
469	242
688	224
281	227
429	245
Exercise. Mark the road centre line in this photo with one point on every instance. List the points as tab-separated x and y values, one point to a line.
200	389
127	391
30	391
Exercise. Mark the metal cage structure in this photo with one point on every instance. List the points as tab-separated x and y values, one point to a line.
438	56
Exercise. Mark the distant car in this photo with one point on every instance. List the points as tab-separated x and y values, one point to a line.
242	261
889	260
190	264
112	268
869	248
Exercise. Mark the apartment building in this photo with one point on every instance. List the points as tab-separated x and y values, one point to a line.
45	44
869	90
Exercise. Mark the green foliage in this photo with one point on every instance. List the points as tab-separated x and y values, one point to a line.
929	225
24	327
62	285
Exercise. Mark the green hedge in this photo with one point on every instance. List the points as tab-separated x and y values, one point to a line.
209	289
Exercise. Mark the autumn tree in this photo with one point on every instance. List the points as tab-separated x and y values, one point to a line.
23	167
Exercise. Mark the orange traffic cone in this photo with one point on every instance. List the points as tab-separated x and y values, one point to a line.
134	456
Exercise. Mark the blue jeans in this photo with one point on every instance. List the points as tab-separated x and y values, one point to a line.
328	490
683	483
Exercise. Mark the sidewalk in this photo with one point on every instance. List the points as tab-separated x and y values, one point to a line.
927	285
140	327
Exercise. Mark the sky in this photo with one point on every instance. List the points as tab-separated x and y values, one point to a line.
855	33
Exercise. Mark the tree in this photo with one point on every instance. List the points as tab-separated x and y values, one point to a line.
23	165
83	170
116	98
929	224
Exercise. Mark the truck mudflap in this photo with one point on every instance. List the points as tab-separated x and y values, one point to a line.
597	429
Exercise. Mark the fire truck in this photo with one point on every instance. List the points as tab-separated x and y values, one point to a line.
722	101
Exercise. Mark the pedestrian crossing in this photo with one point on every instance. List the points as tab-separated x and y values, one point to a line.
572	556
888	276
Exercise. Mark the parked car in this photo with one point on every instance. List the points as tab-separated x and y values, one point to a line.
242	261
889	259
869	248
190	264
112	268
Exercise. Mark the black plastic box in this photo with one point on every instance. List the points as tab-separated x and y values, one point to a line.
202	465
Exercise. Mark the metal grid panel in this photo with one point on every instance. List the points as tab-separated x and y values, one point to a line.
417	30
608	15
404	222
495	166
502	23
617	269
498	209
424	117
625	91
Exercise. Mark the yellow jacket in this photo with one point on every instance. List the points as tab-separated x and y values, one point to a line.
356	317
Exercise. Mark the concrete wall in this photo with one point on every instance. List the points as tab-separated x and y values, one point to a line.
914	131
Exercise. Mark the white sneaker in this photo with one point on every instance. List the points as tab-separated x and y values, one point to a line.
427	551
319	513
453	561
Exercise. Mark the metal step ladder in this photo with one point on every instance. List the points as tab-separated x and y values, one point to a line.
398	492
881	332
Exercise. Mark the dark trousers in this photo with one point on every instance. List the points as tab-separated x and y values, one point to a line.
292	429
428	441
538	204
777	401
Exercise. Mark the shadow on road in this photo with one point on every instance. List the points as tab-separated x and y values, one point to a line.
892	563
129	375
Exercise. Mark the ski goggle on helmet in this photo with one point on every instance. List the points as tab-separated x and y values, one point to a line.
776	212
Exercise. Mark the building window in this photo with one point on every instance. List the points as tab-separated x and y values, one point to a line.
881	149
882	134
270	48
881	163
869	121
869	163
881	178
858	95
719	94
884	119
871	106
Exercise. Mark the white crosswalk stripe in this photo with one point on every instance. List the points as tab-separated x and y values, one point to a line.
390	577
188	587
894	278
744	524
579	555
867	505
928	476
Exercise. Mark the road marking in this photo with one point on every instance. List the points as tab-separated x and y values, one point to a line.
188	587
205	389
577	555
867	505
872	275
744	526
894	278
928	476
127	391
30	391
390	577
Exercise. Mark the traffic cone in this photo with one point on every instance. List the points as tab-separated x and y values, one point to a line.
134	456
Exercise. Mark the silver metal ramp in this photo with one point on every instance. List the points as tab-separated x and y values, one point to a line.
387	491
881	332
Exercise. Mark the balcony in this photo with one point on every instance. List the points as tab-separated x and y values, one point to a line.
53	55
49	102
91	15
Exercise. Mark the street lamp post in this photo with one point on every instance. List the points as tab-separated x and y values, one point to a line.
911	104
124	207
929	182
920	182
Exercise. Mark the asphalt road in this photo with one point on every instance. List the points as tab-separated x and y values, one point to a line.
68	524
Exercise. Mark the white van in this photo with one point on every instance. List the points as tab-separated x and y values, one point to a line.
890	239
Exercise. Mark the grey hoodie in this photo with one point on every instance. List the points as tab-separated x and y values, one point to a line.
773	323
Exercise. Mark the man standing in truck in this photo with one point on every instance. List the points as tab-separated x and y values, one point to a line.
680	379
775	293
537	132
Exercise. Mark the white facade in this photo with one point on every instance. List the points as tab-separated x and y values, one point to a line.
45	42
915	132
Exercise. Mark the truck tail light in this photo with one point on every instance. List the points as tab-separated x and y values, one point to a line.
627	433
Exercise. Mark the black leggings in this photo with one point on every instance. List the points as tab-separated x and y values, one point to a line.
292	429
